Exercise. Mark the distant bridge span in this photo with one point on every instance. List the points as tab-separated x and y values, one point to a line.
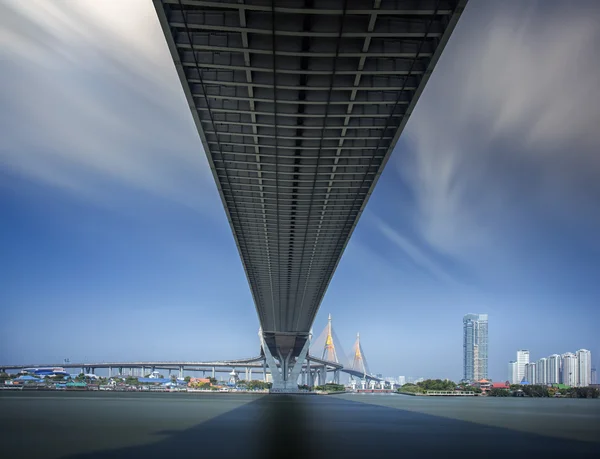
299	105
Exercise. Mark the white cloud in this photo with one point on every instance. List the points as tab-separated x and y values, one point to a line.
90	96
418	256
508	120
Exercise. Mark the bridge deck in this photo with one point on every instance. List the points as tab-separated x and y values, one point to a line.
299	104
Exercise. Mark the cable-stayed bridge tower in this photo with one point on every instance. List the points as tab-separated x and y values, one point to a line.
329	352
359	362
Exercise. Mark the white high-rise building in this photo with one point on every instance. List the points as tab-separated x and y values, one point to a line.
553	369
475	347
541	370
584	368
522	360
513	373
402	380
569	369
530	373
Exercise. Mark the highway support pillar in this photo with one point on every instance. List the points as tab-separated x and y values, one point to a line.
180	371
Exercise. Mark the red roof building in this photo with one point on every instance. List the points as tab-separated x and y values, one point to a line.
499	385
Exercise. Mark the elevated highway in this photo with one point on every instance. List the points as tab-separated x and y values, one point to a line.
299	104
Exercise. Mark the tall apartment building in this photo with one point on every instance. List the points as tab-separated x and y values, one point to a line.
530	373
584	367
513	373
522	360
553	369
594	376
475	347
542	371
569	369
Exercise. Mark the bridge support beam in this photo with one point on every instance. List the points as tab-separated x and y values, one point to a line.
285	377
180	371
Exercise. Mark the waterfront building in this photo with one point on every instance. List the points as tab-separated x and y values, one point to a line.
569	369
522	360
530	373
553	369
513	374
542	371
475	347
584	367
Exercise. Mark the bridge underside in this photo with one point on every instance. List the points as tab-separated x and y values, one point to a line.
299	104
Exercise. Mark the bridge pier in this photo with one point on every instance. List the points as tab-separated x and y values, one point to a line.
285	377
213	372
180	371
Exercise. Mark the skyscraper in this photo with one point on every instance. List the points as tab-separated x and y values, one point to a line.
530	373
553	369
475	347
522	360
513	373
542	371
584	368
569	369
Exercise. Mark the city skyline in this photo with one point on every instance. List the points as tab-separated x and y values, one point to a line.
572	369
115	227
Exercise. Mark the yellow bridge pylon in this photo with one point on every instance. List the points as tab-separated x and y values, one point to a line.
359	363
329	352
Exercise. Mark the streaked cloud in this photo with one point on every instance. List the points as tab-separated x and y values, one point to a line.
91	101
507	128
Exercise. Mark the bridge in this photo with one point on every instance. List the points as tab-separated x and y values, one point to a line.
312	372
299	104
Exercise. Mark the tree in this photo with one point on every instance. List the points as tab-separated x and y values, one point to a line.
187	379
212	380
411	388
4	376
497	392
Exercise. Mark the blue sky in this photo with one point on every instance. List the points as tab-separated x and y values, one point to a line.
114	244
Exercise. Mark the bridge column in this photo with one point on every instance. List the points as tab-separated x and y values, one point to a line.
143	371
250	374
180	371
264	371
213	372
109	372
285	375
